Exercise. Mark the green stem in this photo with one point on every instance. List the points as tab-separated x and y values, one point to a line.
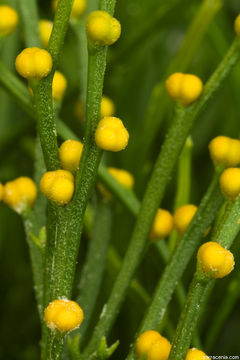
65	231
224	309
228	231
30	22
92	273
191	239
162	171
188	319
196	31
184	175
183	185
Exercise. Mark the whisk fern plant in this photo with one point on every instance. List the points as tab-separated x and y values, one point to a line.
115	233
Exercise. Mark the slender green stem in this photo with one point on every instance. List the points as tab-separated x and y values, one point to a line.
184	175
175	268
115	262
196	31
232	295
188	319
183	185
229	228
68	223
162	171
92	272
30	22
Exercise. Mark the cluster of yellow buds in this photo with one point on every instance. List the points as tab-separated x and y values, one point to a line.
8	20
111	135
184	87
162	225
153	346
195	354
225	151
19	194
230	183
45	30
70	153
183	217
34	63
107	108
58	186
78	8
102	28
63	315
214	260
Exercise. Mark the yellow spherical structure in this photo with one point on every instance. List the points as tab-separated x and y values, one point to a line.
237	25
215	260
230	183
78	8
107	107
8	20
184	87
34	63
59	85
122	176
162	225
70	153
191	89
102	28
63	315
183	216
195	354
45	30
225	151
58	186
153	346
20	193
111	135
173	85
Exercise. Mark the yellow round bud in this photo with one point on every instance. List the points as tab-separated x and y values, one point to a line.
78	8
195	354
183	216
215	260
230	183
225	151
111	134
59	85
173	85
70	153
63	315
102	28
184	87
8	20
107	107
237	25
162	225
1	191
122	176
20	193
34	63
191	89
45	30
58	186
153	346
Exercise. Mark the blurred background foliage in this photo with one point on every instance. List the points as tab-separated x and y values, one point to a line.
152	32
